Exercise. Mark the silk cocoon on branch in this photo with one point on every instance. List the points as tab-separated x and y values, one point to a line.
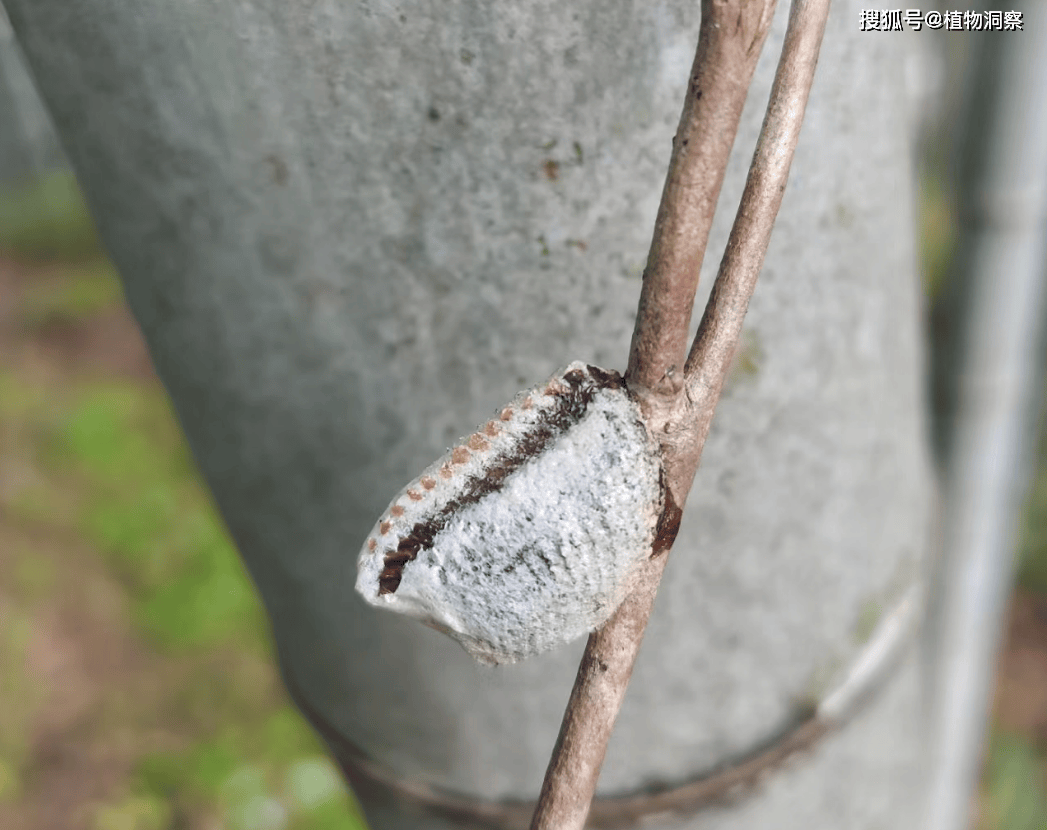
528	533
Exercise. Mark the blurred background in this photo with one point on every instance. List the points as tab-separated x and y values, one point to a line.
137	685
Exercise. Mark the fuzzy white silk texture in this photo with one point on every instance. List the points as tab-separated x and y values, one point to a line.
528	533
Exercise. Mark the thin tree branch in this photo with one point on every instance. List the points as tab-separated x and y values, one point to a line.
682	421
730	40
721	326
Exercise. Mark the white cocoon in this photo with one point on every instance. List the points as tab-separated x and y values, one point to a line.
528	533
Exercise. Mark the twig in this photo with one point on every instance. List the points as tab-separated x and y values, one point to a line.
729	43
680	411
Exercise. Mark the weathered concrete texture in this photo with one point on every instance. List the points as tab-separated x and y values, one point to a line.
351	231
861	779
